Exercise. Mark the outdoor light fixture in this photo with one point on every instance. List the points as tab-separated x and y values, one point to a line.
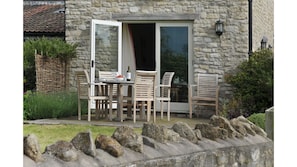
219	27
264	42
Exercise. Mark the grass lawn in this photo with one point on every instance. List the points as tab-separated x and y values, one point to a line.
49	134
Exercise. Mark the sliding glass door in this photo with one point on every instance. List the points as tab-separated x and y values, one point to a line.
173	53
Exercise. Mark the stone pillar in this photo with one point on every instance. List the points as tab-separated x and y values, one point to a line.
269	123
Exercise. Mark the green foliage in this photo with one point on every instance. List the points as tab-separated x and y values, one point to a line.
51	105
29	66
258	119
50	47
253	83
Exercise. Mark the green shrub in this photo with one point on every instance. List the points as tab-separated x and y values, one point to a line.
51	105
50	47
29	66
258	119
253	83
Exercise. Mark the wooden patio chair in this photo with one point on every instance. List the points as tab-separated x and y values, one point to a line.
109	75
165	88
205	92
144	91
84	92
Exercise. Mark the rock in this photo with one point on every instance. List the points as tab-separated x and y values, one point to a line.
63	150
149	142
185	131
198	134
251	127
224	123
110	145
211	132
128	138
238	126
259	130
32	148
83	141
159	133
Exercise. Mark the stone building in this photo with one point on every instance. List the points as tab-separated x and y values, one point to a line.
167	35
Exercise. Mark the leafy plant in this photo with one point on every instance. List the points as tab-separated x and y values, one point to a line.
253	83
51	105
49	47
258	119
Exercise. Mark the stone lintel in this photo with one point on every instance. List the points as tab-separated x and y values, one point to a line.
153	17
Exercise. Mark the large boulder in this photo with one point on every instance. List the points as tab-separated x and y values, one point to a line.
128	138
211	132
185	131
83	141
224	123
32	148
159	132
110	145
150	142
251	127
63	150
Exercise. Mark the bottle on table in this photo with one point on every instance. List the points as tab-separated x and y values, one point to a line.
128	75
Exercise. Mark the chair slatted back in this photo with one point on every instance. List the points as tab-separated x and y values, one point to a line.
166	80
108	75
207	85
144	86
82	84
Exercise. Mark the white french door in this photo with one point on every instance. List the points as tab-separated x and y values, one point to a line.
106	48
174	53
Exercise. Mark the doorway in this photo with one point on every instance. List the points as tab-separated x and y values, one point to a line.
143	37
160	46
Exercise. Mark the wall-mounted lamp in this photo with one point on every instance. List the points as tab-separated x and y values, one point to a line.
219	27
264	42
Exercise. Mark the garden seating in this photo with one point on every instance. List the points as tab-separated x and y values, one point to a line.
165	87
205	92
84	92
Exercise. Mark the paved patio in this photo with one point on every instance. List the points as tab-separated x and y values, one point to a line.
104	122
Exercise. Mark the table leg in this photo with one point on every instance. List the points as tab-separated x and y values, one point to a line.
110	99
129	102
120	102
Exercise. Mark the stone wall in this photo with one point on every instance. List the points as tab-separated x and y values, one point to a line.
211	53
263	22
220	142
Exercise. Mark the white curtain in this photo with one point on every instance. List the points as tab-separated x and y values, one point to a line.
128	51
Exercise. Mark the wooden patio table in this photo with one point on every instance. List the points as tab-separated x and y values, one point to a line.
120	95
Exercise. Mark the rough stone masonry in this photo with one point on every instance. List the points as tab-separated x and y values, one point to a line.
221	142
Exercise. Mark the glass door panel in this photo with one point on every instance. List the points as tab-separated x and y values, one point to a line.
106	47
173	53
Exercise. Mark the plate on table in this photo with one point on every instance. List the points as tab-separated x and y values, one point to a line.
120	77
